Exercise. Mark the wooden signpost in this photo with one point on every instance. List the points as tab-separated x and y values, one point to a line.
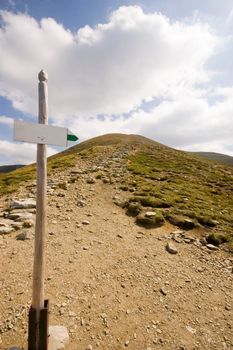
41	134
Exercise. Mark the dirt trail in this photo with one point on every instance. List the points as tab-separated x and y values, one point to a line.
112	283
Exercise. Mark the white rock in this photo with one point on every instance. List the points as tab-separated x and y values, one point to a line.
86	222
212	247
58	337
17	225
150	214
5	230
20	216
23	204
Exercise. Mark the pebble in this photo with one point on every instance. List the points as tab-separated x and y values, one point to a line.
89	347
191	330
150	214
177	232
86	222
163	291
212	247
187	240
81	203
171	248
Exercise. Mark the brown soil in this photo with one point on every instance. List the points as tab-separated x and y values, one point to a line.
113	287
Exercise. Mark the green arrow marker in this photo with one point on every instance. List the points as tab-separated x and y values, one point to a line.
72	138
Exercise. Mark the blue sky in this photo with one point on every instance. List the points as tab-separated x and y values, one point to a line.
162	69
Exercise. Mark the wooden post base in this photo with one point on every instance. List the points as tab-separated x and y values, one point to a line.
43	328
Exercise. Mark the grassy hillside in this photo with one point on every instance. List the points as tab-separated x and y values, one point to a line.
182	188
218	157
9	182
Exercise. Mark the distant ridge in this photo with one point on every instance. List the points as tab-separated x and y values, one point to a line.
218	157
9	168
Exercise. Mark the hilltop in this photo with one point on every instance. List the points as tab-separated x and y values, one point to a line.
138	246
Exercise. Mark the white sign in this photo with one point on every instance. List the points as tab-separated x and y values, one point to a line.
42	134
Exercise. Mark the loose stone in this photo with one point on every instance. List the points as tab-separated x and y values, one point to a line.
212	247
23	204
5	230
86	222
23	236
171	248
163	291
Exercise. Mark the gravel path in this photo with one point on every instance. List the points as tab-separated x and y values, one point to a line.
113	284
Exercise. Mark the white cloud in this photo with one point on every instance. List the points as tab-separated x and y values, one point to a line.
23	153
230	17
6	120
113	69
188	122
109	69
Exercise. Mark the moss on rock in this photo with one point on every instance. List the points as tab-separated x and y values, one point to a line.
150	221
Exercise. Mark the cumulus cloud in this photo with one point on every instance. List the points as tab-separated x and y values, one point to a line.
109	69
101	77
23	153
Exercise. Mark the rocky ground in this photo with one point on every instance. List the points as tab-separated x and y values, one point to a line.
113	284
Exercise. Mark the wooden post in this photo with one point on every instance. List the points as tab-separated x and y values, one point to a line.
39	249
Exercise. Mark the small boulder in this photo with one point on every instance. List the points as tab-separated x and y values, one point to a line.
5	230
24	236
23	204
212	247
150	221
171	248
20	216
